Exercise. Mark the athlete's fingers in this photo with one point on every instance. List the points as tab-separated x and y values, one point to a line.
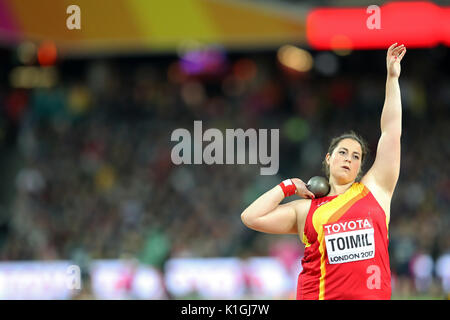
392	47
302	189
397	50
311	195
402	54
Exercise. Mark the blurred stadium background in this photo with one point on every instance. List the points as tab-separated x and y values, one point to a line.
86	119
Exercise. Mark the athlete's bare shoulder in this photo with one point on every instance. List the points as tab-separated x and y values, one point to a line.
382	197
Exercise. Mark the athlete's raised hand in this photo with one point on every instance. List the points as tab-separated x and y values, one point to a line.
394	57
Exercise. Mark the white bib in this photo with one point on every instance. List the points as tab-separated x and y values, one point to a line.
350	240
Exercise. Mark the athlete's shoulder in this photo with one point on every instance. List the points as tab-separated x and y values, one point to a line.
359	186
374	188
377	192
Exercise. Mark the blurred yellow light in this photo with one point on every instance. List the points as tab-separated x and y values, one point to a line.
79	99
295	58
105	178
27	52
33	77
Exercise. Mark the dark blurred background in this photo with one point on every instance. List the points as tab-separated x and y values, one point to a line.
86	168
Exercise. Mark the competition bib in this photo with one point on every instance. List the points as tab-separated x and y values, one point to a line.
350	240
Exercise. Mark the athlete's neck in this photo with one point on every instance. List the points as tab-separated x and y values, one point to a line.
337	189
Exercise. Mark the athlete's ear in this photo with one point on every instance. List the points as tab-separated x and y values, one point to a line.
327	159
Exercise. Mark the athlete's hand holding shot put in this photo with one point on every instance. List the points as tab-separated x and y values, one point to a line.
345	232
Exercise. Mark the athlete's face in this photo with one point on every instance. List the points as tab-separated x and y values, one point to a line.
345	161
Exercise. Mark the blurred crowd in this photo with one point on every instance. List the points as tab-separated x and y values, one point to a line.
93	176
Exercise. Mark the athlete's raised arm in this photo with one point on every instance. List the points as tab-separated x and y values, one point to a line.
385	170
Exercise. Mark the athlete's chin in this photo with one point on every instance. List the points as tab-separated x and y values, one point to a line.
344	178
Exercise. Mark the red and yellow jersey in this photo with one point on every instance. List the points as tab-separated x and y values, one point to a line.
346	248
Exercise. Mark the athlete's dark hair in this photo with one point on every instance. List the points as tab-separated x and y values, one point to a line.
335	141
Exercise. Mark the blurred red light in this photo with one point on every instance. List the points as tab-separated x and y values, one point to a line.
244	69
47	54
415	24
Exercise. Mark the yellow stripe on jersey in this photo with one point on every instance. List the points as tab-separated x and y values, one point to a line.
331	212
305	241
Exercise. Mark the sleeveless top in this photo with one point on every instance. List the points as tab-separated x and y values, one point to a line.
346	248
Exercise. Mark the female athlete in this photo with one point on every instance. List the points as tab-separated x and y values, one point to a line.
346	232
